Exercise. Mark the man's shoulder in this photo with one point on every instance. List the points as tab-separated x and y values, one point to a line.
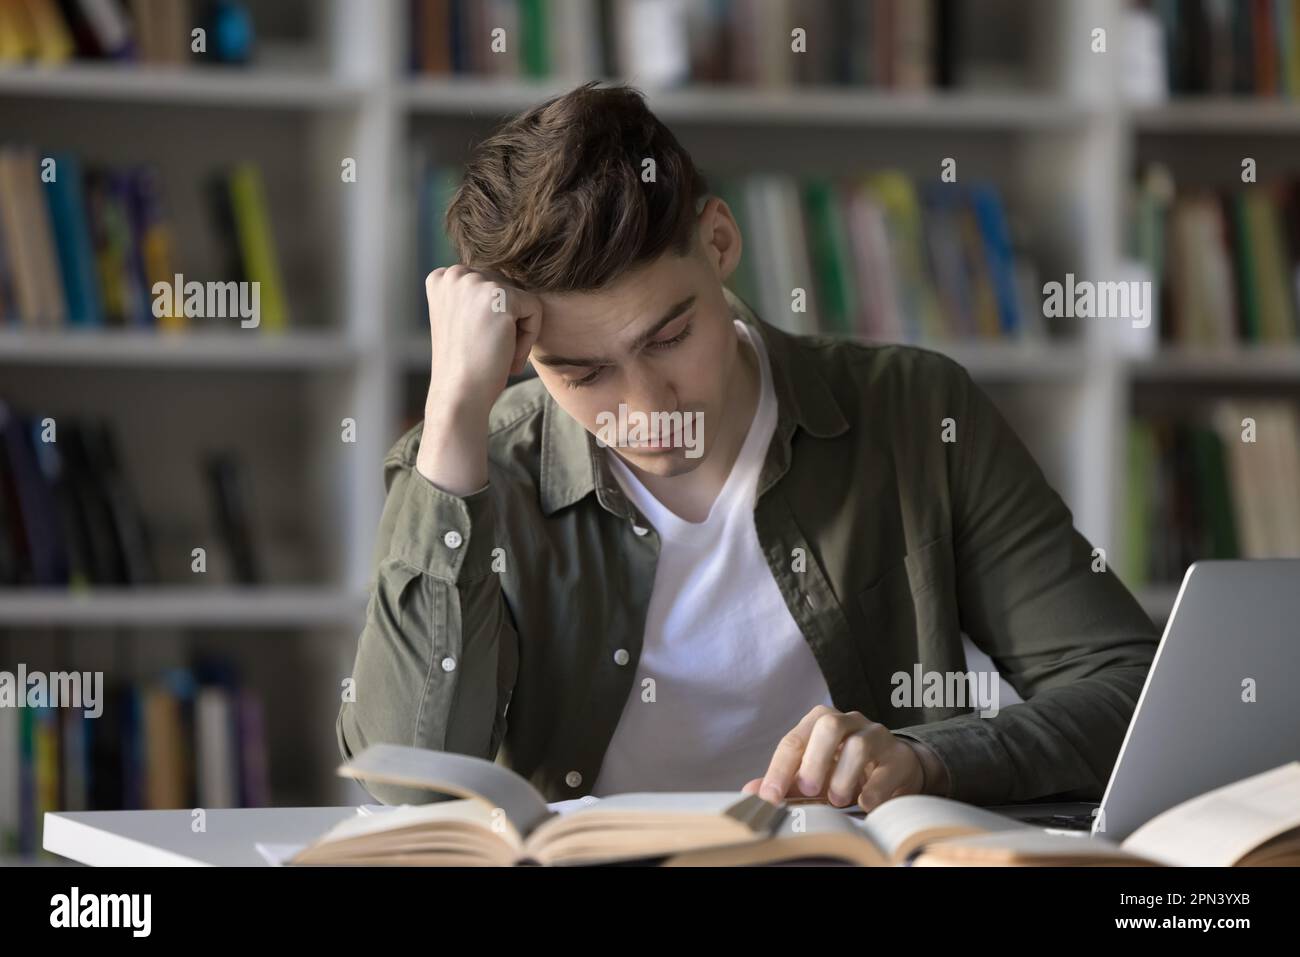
873	371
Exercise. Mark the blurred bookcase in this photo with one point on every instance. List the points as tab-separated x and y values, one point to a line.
1038	113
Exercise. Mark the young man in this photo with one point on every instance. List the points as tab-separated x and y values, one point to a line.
719	596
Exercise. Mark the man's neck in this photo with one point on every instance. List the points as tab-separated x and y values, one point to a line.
691	495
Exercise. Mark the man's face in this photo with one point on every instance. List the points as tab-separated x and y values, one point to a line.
659	340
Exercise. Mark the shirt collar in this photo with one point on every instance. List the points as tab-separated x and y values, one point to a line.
573	465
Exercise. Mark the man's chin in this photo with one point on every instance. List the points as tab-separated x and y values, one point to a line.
662	464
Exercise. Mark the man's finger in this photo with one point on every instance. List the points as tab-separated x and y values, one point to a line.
526	330
851	770
788	756
526	311
881	783
828	734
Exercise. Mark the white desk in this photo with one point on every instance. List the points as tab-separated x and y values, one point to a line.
165	838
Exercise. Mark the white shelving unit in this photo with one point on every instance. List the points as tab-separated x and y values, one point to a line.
1060	149
181	607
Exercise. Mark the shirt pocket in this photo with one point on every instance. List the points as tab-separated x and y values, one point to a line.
911	618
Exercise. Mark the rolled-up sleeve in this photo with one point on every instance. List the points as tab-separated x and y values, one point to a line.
1061	628
437	657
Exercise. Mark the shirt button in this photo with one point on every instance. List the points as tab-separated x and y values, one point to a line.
449	663
573	779
621	656
641	531
452	539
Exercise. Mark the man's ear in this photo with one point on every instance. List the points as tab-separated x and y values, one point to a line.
719	235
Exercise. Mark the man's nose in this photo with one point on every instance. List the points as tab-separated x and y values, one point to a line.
649	392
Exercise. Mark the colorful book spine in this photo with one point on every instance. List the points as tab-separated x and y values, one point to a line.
257	244
72	235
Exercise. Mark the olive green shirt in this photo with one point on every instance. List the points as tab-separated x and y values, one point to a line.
508	623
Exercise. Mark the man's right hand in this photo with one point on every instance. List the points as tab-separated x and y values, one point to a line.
481	329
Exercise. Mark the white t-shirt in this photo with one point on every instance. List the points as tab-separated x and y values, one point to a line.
732	671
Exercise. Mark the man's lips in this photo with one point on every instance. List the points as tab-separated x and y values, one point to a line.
659	442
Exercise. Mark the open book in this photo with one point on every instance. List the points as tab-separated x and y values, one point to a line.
500	819
1254	822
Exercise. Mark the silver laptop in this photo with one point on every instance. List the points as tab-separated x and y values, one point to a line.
1222	699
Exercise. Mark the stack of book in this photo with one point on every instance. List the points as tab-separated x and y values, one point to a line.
1232	47
877	256
1219	486
71	517
192	738
1227	261
68	513
53	31
881	258
894	44
86	247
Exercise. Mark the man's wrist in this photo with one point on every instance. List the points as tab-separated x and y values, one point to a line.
453	451
935	780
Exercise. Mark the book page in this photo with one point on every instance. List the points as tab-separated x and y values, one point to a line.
469	811
901	825
456	774
1221	826
824	818
712	803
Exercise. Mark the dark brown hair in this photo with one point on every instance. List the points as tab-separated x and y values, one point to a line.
554	199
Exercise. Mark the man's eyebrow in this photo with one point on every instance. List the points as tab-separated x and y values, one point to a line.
641	340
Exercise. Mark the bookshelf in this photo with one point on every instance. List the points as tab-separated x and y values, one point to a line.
1056	136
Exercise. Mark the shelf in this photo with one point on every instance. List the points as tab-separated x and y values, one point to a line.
1268	363
149	349
182	606
191	86
1016	362
741	106
1218	116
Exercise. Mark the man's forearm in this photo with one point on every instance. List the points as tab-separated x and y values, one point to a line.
453	448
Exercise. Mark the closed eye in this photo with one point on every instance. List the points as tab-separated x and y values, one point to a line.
586	380
668	343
